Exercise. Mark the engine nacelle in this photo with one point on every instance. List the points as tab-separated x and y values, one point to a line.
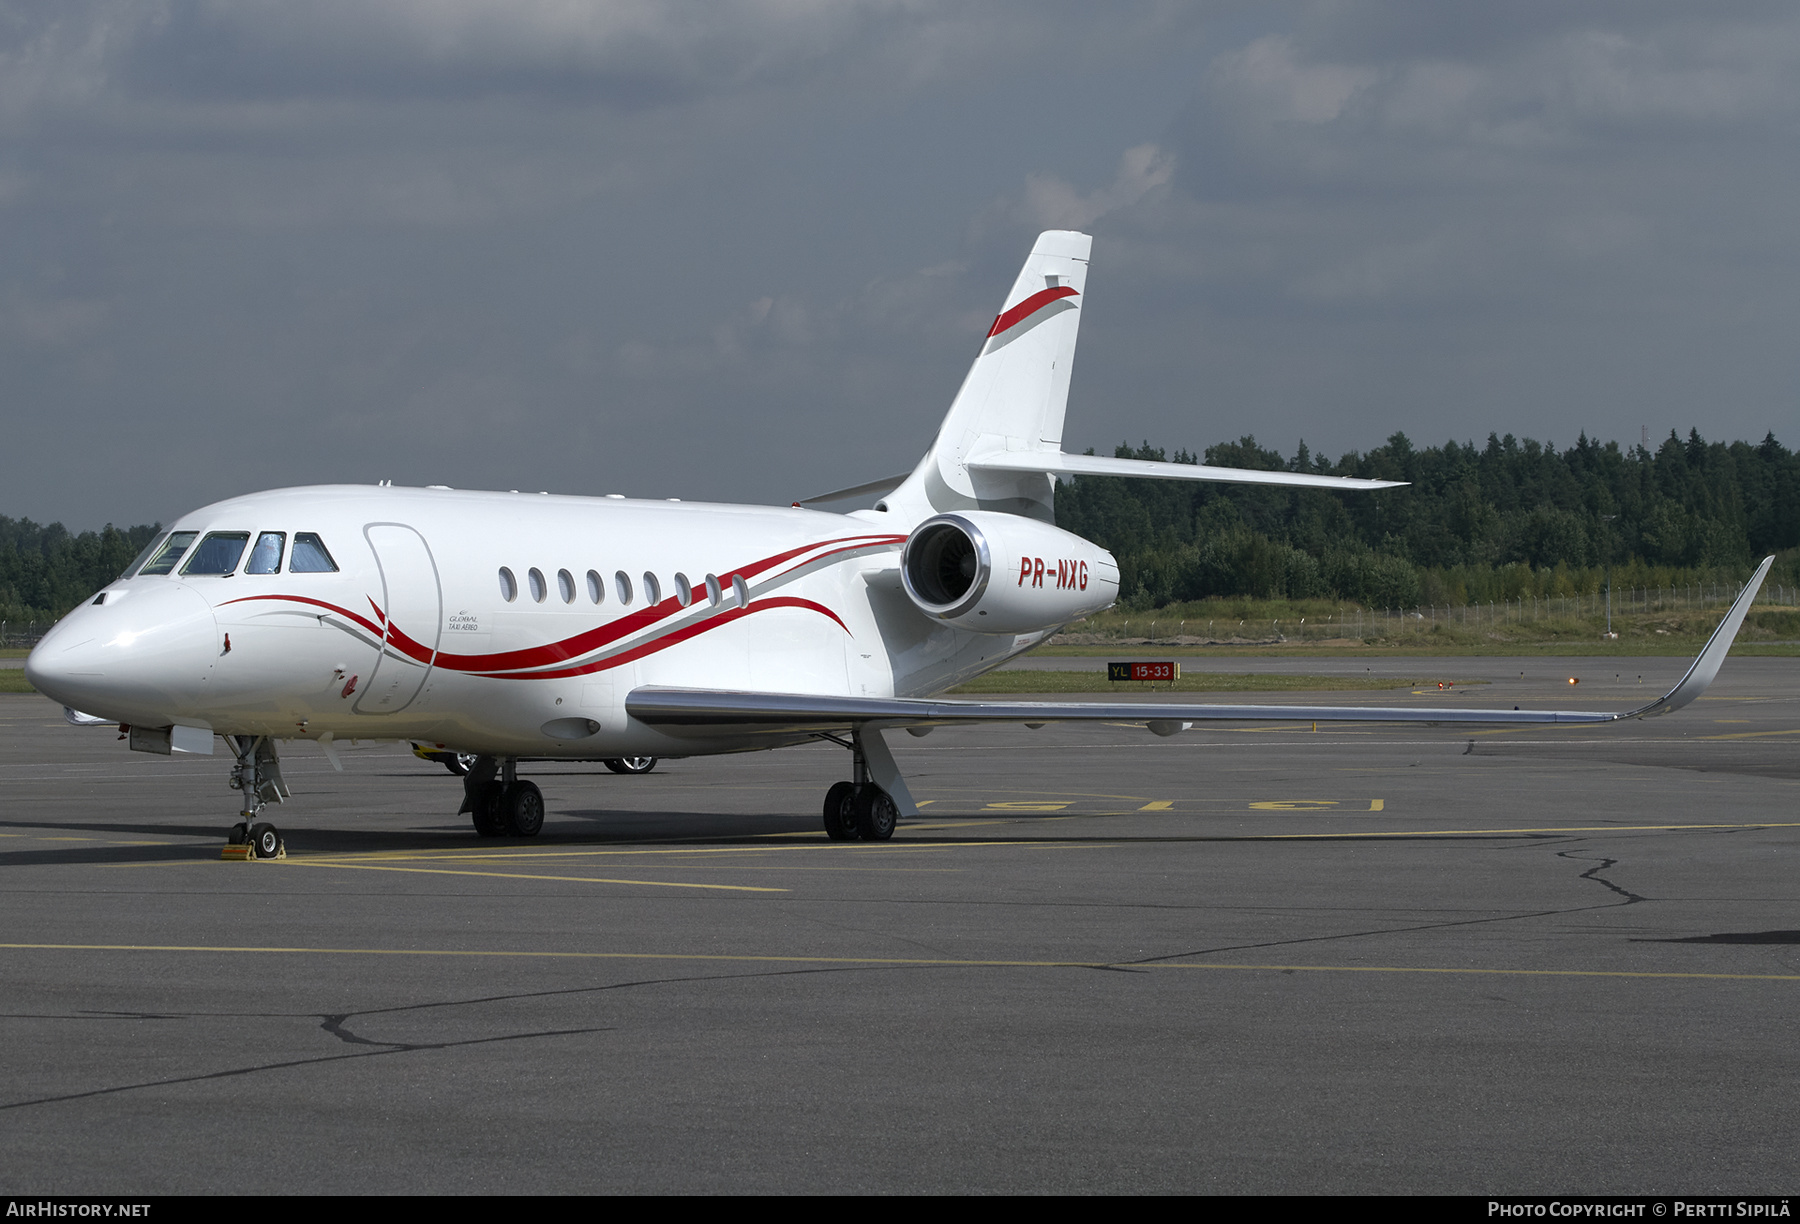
1000	573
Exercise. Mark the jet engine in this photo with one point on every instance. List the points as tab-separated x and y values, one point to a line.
1000	573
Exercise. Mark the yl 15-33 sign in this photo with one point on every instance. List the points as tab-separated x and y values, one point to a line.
1164	670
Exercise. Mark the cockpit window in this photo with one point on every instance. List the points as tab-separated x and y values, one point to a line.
265	558
144	556
164	561
309	555
219	553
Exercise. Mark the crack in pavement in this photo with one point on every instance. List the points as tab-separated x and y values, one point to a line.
233	1072
336	1024
1592	873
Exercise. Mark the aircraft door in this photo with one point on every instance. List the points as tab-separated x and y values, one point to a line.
413	605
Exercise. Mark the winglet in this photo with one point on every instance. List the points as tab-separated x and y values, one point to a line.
1712	654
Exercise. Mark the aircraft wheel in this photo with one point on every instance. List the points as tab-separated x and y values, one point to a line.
876	814
630	765
240	833
524	804
840	816
265	840
489	818
459	763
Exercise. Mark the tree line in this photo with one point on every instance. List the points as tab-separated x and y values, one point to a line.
45	571
1514	518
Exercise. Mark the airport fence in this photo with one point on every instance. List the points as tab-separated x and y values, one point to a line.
22	635
1638	604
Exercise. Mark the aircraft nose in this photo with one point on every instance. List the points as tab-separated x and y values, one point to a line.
143	656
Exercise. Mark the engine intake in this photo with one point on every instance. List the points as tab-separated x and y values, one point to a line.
946	566
1000	573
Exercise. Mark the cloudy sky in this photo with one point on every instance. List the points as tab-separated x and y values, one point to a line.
746	251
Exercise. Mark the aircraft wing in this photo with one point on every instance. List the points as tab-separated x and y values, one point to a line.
708	711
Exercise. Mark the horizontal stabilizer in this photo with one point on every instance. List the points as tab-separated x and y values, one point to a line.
1058	464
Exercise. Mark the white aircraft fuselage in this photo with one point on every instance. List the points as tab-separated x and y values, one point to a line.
414	636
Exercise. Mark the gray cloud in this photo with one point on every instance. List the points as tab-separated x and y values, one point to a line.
747	251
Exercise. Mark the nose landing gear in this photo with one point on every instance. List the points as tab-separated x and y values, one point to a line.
256	776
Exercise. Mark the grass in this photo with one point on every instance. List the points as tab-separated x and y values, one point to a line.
12	680
1412	648
1189	631
1034	681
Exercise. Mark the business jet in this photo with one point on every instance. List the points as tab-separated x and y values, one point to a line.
518	626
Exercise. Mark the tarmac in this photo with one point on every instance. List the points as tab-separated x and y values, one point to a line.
1252	958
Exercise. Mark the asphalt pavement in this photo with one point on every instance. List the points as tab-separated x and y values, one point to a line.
1251	958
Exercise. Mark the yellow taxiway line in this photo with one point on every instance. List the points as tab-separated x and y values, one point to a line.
895	962
526	875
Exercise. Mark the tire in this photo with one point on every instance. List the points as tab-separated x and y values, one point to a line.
265	840
876	814
630	765
240	833
458	763
840	815
524	804
487	813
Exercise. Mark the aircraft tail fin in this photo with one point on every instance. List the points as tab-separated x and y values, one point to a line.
1014	395
1000	446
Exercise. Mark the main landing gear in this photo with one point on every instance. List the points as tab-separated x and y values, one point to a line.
865	812
859	809
503	804
256	776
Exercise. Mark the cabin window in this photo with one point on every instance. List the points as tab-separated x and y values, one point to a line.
144	556
714	594
165	560
535	577
652	589
596	588
219	553
310	556
741	590
265	558
565	585
622	581
684	590
509	586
